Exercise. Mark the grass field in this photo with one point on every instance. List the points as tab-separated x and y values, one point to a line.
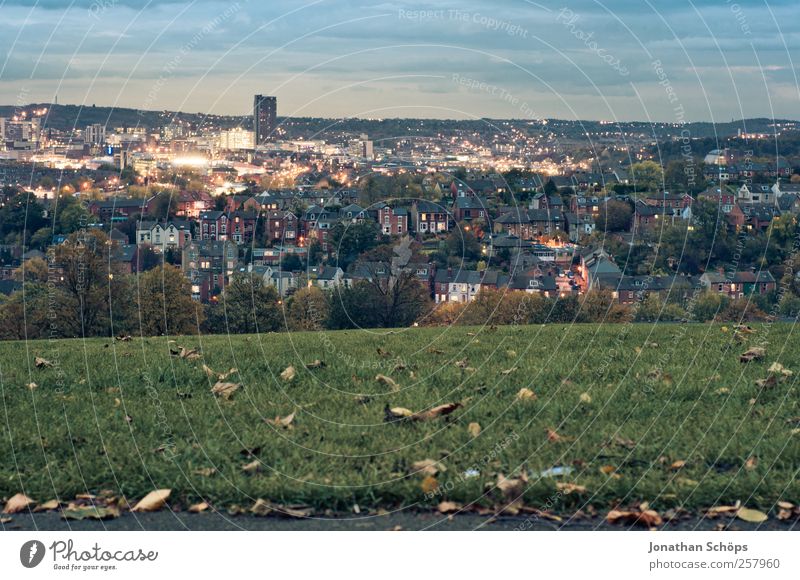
619	406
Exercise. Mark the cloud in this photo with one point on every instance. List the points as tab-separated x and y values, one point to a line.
297	48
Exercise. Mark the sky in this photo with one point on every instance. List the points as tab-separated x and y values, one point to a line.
647	60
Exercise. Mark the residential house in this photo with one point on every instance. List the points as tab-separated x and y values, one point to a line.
430	217
190	204
739	284
469	209
169	235
393	221
218	259
281	226
325	277
460	286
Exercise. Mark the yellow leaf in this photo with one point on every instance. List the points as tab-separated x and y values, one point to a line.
225	390
586	398
252	467
676	465
526	395
17	503
153	501
447	507
751	515
429	484
474	429
198	507
384	380
288	374
568	488
427	467
285	422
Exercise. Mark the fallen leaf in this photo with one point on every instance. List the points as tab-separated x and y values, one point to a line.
6	520
751	515
676	465
153	501
53	504
288	374
553	436
448	507
778	369
198	507
440	411
751	463
508	371
396	413
32	386
463	363
511	353
284	422
252	467
317	364
205	471
261	508
586	398
474	429
647	517
384	380
208	370
225	390
18	503
568	488
383	353
91	513
754	353
427	467
525	394
722	510
41	363
608	470
429	484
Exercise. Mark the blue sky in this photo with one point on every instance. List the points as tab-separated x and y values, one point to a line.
581	59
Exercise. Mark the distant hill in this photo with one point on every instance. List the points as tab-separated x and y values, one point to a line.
66	117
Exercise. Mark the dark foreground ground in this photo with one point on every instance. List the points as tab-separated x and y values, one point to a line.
168	521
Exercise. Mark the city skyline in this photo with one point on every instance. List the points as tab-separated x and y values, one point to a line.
701	62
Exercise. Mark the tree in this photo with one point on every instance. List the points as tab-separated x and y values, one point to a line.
381	302
647	176
246	306
615	216
165	303
462	243
308	309
350	240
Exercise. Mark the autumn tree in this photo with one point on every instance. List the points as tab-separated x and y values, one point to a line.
308	309
246	306
165	303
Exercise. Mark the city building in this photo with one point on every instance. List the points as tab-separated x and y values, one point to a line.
265	117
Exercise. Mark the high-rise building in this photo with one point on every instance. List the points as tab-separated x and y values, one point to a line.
94	134
234	139
265	113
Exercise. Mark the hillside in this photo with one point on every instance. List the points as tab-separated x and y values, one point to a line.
666	414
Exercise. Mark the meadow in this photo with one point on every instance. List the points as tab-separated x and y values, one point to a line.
588	416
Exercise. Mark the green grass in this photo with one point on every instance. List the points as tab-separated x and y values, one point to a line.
70	435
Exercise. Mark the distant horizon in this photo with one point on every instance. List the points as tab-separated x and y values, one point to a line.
378	119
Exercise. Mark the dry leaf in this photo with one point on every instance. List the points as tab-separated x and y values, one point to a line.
288	374
440	411
553	436
427	467
90	513
252	467
153	501
568	488
429	484
32	386
384	380
646	517
317	364
676	465
751	515
396	413
198	507
18	503
508	371
53	504
205	471
586	398
474	429
525	394
463	363
448	507
751	463
754	353
383	353
284	422
608	469
723	510
225	390
208	370
41	363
